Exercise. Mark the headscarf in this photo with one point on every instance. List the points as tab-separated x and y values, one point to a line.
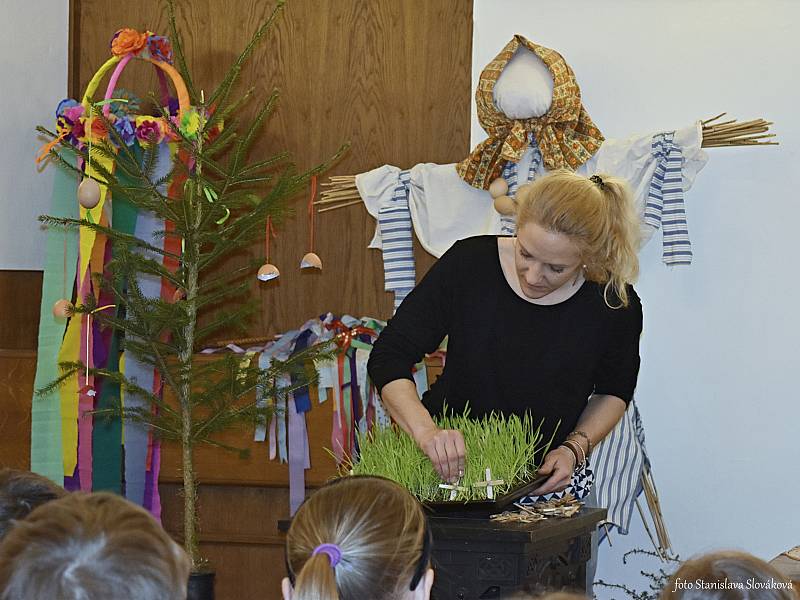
565	135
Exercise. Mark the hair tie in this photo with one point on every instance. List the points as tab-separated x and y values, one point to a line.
598	180
332	550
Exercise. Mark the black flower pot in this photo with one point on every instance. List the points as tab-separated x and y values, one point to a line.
201	586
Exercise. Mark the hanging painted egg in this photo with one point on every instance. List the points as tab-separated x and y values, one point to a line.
505	205
62	309
498	187
88	193
268	272
311	261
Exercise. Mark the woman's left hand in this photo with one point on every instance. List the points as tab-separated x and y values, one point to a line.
559	463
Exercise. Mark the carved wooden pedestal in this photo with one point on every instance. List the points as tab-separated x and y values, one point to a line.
476	558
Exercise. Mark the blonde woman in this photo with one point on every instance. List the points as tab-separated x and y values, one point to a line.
545	322
358	538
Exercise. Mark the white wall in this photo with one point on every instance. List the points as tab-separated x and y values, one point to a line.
33	72
719	352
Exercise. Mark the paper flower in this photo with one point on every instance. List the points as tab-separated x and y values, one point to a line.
78	130
149	129
127	40
74	113
169	133
160	48
190	124
63	125
122	109
173	105
126	130
95	125
65	104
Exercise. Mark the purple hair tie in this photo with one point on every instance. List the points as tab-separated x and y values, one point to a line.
332	550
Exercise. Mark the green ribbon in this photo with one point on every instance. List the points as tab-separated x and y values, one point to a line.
47	455
107	432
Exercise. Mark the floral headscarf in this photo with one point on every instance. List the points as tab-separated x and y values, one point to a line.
566	136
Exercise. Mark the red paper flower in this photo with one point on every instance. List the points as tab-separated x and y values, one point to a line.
78	129
99	129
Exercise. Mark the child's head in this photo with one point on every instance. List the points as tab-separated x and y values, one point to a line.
727	575
359	537
91	546
20	493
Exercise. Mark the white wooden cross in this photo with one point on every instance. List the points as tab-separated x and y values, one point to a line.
454	488
489	483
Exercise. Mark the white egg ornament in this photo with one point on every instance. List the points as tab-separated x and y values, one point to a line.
505	205
88	193
268	272
498	188
62	309
311	261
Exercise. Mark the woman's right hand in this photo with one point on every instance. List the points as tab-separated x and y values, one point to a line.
447	451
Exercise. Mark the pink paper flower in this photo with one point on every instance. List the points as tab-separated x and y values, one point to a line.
149	129
73	113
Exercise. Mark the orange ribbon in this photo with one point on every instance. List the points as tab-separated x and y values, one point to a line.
45	150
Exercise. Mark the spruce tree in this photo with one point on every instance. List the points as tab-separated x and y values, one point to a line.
225	202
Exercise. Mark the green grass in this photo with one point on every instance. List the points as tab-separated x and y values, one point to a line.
506	445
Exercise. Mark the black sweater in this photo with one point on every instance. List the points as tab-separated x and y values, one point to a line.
507	354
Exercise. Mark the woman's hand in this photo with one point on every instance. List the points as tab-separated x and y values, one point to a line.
447	451
559	464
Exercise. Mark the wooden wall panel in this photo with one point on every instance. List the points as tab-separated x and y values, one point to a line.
17	371
20	297
392	78
246	553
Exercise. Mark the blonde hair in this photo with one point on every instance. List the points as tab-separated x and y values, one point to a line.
380	529
728	575
597	214
91	546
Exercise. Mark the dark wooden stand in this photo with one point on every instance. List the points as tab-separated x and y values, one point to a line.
477	558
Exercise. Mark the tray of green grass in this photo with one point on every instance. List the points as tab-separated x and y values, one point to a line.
507	446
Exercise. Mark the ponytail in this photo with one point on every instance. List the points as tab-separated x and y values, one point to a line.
357	537
598	214
316	580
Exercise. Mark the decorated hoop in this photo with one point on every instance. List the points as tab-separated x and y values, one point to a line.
121	63
77	122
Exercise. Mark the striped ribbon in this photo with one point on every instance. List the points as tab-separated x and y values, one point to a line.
665	207
618	461
394	221
508	223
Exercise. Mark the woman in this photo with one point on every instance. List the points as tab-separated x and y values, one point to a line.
359	537
546	322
